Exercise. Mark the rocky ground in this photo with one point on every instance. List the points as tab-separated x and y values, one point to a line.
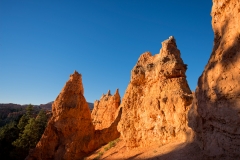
175	150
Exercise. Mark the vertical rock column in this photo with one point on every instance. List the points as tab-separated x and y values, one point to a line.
105	110
156	101
218	91
70	133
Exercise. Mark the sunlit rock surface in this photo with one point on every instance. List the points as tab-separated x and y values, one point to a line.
156	101
105	110
70	133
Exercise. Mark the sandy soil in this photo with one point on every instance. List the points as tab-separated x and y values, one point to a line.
172	151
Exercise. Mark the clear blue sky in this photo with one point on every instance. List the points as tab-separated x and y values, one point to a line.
42	42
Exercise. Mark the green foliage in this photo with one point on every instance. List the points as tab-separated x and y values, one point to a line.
22	122
29	111
106	148
99	156
29	138
8	131
41	121
32	132
8	134
17	137
111	144
25	118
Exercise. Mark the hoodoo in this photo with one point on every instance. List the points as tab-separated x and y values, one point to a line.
218	91
70	133
156	102
105	110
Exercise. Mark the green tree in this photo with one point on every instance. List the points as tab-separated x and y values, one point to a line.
32	132
25	118
29	138
8	134
41	122
17	137
29	110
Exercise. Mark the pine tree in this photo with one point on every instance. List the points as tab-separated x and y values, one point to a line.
17	137
8	134
29	138
29	110
32	132
25	118
41	122
29	134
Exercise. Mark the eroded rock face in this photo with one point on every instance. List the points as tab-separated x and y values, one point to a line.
70	133
156	101
218	92
105	109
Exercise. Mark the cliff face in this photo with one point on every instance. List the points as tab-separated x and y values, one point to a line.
104	111
218	92
70	133
156	101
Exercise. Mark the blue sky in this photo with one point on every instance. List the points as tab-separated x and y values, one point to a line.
43	42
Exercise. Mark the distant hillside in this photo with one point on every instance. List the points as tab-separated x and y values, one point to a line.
90	105
11	111
48	106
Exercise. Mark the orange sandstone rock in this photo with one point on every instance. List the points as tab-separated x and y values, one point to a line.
104	111
70	133
156	101
218	91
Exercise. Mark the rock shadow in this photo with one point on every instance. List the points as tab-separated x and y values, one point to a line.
216	110
183	151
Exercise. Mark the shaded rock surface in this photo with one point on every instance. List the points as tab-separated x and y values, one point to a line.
156	101
105	110
218	91
70	133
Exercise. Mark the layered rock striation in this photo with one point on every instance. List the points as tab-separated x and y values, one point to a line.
155	104
218	91
105	110
70	133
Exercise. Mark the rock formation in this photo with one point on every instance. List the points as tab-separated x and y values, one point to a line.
70	133
105	109
218	92
156	101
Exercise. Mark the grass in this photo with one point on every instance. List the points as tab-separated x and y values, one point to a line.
109	146
99	156
112	144
106	148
